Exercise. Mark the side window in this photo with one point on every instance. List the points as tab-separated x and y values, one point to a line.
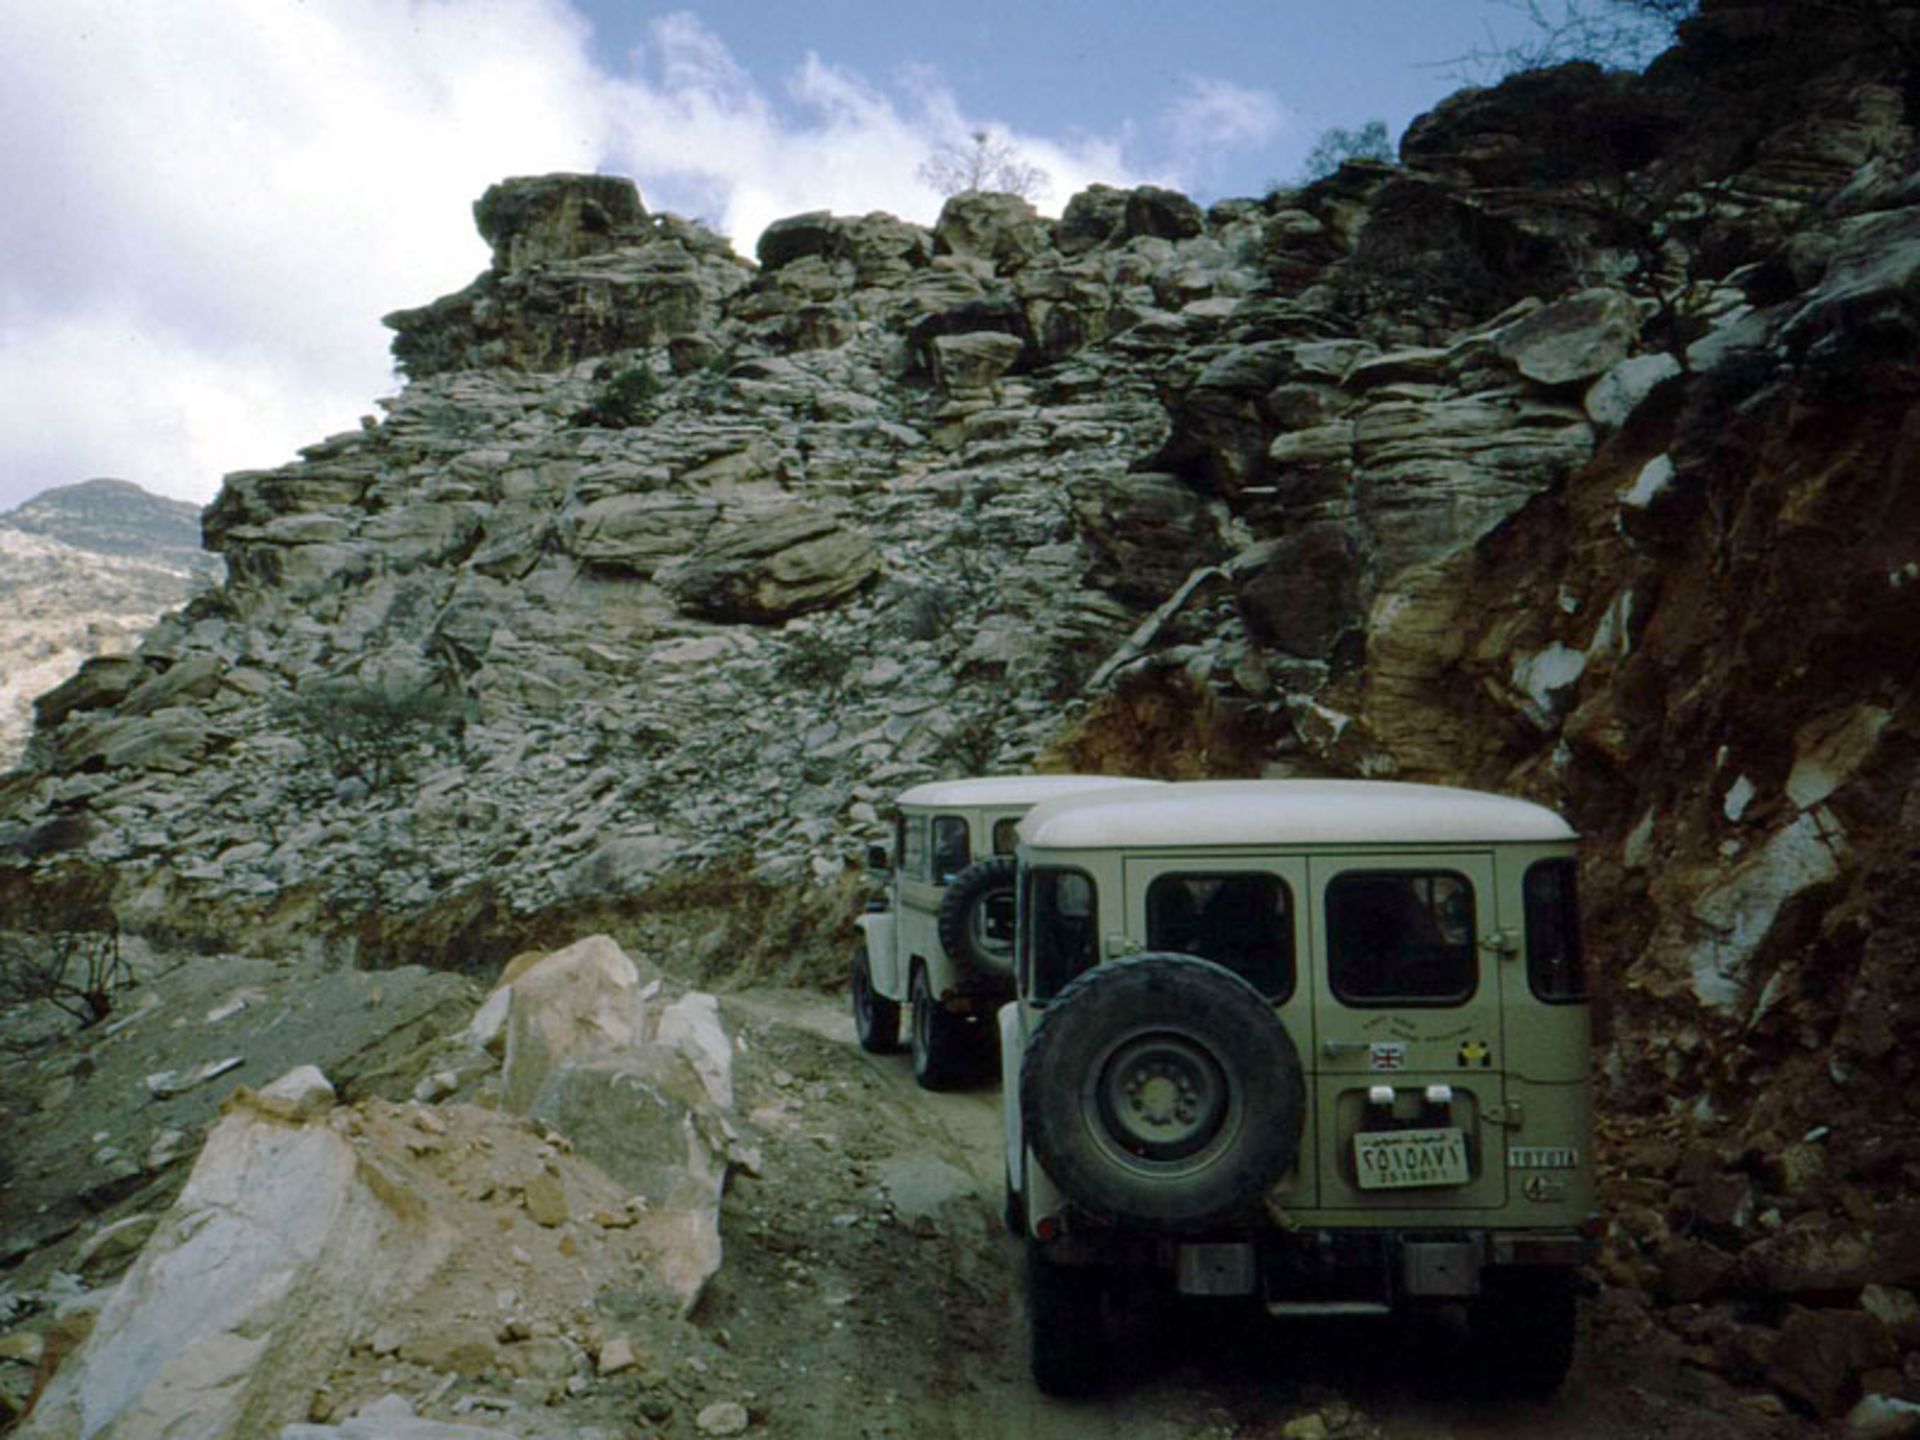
1555	966
1006	836
1061	913
913	847
1242	920
1401	937
951	853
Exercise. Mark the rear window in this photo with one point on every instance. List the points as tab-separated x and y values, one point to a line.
1401	937
1006	836
1060	910
1556	969
1240	919
951	854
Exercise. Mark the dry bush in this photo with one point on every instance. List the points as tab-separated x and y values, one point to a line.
62	946
371	732
986	164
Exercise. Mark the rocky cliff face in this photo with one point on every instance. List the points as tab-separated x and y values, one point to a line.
88	569
1569	457
717	585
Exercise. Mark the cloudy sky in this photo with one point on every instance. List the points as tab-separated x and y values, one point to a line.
210	203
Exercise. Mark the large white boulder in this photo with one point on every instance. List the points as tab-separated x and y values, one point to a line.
691	1026
647	1120
579	1001
280	1244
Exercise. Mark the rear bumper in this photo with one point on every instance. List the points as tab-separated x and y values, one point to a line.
1563	1249
1329	1271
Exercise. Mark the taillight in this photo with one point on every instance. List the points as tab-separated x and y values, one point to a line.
1047	1227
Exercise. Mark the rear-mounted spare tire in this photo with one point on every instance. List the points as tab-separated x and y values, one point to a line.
1162	1090
976	916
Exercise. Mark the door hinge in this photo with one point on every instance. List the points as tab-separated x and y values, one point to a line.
1501	943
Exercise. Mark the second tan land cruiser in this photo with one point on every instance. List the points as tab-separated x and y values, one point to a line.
1323	1043
941	943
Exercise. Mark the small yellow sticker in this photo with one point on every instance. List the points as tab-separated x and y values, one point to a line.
1476	1052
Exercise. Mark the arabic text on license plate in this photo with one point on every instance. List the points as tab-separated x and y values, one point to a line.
1408	1159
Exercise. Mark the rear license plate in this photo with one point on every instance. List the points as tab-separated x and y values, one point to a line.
1410	1159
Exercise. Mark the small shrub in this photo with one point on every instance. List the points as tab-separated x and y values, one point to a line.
1065	673
1616	34
369	732
621	397
812	662
925	613
987	163
66	950
1337	146
975	745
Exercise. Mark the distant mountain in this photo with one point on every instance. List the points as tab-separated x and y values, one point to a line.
116	517
85	570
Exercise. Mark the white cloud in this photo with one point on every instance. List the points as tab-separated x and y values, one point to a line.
104	392
1216	115
211	202
702	136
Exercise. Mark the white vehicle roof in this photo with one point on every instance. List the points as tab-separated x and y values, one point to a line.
1010	789
1286	812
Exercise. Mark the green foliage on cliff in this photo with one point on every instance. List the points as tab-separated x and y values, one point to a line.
622	397
369	732
1337	146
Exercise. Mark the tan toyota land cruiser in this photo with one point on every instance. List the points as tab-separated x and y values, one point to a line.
1324	1043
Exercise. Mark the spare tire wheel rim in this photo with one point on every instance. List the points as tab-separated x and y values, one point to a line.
990	929
1160	1103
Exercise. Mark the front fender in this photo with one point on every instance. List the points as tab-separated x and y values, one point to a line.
883	959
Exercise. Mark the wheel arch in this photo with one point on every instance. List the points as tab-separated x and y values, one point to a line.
880	931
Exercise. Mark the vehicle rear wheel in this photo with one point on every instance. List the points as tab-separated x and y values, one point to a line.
876	1019
1066	1326
1162	1090
938	1039
1523	1325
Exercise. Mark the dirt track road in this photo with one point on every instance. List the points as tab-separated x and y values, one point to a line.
931	1337
870	1292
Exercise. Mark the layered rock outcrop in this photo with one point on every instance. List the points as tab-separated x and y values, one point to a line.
868	514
